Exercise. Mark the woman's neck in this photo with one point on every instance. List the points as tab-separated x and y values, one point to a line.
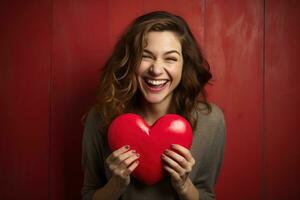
152	112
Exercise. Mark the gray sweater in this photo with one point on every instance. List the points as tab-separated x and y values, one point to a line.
207	150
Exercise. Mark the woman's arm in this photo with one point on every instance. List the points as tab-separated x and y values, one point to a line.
92	159
211	142
208	151
189	191
179	163
121	164
111	191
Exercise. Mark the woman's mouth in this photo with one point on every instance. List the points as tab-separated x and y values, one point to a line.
156	85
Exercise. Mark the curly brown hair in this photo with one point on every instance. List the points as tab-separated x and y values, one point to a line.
118	91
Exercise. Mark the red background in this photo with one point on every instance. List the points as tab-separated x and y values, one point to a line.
50	55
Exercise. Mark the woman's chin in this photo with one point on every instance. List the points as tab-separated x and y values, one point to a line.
155	99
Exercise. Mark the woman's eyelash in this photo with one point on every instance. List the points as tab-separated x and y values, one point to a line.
170	58
173	59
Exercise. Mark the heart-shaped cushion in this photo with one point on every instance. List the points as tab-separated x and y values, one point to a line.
149	141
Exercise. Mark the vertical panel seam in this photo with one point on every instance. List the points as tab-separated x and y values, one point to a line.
50	88
204	23
109	26
143	6
264	132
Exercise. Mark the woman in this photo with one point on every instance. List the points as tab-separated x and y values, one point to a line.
156	68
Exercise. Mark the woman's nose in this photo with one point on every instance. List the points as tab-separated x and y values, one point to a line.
156	68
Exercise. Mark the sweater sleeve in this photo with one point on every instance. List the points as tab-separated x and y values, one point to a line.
212	155
92	160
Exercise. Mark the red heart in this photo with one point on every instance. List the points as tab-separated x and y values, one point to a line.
149	141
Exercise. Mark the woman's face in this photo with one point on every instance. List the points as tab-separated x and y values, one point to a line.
161	67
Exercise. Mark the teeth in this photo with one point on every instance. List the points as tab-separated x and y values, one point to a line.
156	82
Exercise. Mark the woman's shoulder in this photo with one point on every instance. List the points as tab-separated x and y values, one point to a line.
91	115
91	119
215	117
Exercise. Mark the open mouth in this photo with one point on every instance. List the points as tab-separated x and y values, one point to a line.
156	84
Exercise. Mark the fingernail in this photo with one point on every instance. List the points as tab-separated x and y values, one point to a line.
126	146
173	145
137	155
133	151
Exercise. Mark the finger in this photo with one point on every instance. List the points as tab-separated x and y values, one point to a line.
133	166
121	158
128	161
184	152
173	164
117	152
127	171
177	158
172	172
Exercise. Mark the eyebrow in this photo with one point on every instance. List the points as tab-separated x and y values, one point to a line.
168	52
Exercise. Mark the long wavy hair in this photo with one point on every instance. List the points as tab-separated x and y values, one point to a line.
118	90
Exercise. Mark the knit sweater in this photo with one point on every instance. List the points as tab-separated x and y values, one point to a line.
207	150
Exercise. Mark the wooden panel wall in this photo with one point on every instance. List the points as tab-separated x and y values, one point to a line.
25	51
50	55
282	99
79	49
233	35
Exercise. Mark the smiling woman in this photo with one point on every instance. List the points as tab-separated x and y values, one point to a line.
156	69
118	88
160	70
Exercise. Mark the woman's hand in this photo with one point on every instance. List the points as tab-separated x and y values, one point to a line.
121	163
178	162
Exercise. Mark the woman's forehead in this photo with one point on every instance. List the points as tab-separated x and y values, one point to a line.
163	41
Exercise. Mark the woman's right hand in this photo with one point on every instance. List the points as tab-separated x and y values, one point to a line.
122	163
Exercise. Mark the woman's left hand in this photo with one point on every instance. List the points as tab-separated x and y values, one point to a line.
178	162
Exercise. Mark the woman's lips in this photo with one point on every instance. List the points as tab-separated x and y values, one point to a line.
156	85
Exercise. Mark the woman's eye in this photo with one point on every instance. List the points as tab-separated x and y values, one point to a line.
146	56
172	59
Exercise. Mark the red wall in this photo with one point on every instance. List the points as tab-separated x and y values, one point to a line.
50	55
